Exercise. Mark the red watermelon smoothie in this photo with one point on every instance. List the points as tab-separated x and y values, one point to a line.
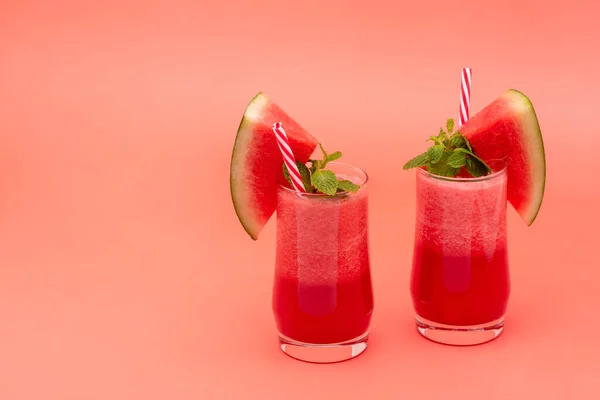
460	279
322	296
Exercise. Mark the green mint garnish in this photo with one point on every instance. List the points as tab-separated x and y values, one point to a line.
317	179
334	156
325	181
419	161
305	174
457	159
450	152
450	125
475	168
435	153
347	186
458	141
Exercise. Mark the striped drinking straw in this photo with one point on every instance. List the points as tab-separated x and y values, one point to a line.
288	157
465	96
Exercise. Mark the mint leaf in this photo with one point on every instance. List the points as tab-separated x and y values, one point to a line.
435	153
457	159
450	125
334	156
476	159
442	168
326	158
305	175
482	166
480	161
460	142
457	140
438	140
467	143
315	165
325	181
443	137
418	161
475	168
324	152
347	186
443	134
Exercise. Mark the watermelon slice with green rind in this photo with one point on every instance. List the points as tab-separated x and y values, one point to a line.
508	129
256	162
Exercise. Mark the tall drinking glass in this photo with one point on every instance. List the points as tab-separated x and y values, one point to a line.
460	279
322	293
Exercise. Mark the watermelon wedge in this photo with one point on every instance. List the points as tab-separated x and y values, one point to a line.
508	129
256	162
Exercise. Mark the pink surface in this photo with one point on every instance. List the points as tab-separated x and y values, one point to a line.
124	273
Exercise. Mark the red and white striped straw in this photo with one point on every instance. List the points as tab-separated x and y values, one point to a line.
288	157
465	96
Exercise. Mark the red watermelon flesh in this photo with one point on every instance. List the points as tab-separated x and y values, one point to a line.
508	129
256	162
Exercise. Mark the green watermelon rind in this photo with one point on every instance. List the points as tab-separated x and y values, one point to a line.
242	140
533	138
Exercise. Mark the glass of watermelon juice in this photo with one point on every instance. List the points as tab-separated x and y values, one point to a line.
322	294
460	279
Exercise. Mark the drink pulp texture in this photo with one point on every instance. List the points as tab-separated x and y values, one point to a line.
322	288
460	263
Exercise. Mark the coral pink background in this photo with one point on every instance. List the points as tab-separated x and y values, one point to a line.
124	273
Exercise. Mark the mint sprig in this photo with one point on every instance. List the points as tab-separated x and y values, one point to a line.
450	152
347	186
317	179
325	181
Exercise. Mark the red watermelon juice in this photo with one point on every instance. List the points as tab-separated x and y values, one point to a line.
460	279
322	295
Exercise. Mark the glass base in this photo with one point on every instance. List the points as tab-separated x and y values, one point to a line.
460	335
324	353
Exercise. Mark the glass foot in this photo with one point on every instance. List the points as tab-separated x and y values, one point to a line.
460	335
324	353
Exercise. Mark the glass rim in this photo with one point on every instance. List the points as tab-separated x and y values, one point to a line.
340	194
493	175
